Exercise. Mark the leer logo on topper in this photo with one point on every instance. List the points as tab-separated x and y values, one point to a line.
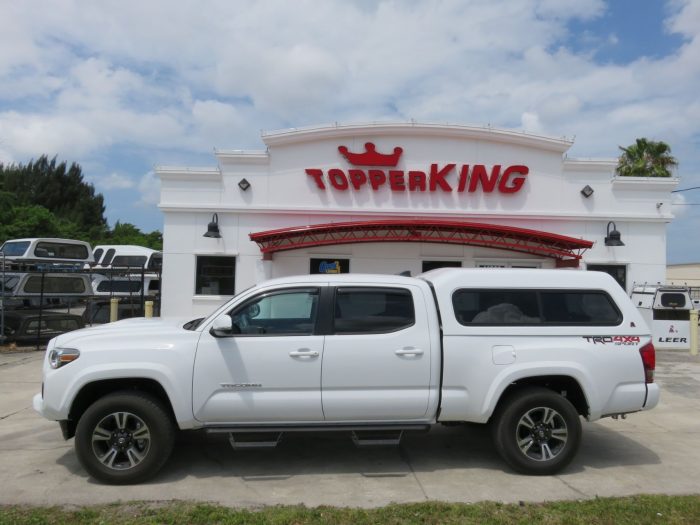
371	157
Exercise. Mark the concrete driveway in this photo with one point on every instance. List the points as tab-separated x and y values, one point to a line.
653	452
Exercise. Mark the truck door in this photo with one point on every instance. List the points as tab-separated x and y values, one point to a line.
269	369
376	362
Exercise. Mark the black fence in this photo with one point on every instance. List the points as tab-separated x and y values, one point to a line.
42	302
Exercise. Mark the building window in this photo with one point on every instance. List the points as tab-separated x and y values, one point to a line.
617	271
215	275
434	265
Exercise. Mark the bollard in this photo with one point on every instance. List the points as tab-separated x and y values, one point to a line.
148	309
113	309
693	332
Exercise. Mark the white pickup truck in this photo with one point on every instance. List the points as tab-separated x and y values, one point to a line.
527	351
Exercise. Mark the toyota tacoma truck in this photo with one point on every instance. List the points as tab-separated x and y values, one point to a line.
529	352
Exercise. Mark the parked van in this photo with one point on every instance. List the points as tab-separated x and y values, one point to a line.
666	309
40	252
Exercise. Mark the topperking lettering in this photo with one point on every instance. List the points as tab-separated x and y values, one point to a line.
439	177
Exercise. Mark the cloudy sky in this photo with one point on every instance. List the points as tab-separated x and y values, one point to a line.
121	86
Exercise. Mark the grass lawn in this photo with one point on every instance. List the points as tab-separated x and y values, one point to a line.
632	510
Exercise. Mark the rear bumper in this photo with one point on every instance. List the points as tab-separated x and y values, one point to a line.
653	394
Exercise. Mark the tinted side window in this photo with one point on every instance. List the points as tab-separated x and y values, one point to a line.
579	307
55	285
673	300
525	307
60	251
97	254
108	257
278	313
132	261
119	286
372	310
502	307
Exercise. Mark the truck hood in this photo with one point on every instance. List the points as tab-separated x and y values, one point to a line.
128	328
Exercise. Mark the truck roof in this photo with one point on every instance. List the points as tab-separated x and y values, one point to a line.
343	278
518	278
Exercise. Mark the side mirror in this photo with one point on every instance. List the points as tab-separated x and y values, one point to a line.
222	327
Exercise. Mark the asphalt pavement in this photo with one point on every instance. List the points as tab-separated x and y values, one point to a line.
652	452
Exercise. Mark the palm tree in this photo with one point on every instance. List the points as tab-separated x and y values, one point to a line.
646	158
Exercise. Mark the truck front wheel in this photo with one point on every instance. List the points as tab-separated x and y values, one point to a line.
124	437
537	431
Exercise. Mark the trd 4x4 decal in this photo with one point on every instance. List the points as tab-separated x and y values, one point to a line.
613	339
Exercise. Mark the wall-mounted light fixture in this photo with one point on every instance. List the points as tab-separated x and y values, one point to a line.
613	236
213	228
243	184
587	191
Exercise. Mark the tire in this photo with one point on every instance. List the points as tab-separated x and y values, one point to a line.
537	431
124	437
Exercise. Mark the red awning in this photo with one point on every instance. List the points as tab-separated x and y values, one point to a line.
567	250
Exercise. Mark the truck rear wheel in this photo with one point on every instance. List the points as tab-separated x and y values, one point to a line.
537	431
124	437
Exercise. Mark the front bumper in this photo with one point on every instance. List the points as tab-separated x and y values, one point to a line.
43	409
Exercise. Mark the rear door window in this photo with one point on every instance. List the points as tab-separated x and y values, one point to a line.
372	310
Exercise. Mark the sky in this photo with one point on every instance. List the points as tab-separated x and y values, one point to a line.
122	86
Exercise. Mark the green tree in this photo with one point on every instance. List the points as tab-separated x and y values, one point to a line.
59	188
126	233
45	198
646	158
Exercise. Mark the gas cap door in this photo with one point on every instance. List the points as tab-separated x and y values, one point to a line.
503	354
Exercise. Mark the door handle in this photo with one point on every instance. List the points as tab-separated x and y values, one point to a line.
303	353
408	351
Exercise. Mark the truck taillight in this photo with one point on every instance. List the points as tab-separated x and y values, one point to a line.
648	354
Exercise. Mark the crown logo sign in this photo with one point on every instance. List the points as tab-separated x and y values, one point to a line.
371	157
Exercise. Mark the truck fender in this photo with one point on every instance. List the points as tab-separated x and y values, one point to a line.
178	397
527	371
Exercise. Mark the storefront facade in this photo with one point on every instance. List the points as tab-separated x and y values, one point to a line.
392	198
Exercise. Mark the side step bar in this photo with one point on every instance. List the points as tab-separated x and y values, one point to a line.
270	436
254	440
313	428
377	439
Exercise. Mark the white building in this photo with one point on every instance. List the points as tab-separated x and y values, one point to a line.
389	198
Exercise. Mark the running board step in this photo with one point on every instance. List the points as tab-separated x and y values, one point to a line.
377	439
250	440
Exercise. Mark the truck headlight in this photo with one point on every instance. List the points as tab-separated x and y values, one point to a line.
62	356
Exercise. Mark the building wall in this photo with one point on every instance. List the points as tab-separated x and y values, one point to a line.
282	195
683	274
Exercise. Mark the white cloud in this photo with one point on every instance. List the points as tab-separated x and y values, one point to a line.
149	188
114	181
166	80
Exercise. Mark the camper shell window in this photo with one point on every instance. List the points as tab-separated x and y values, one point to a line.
512	307
15	249
58	250
132	261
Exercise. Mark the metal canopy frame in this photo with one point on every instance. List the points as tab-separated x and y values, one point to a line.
566	250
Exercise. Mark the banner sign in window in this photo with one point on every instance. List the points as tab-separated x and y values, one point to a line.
329	266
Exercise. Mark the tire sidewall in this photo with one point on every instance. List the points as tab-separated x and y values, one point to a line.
152	413
507	420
